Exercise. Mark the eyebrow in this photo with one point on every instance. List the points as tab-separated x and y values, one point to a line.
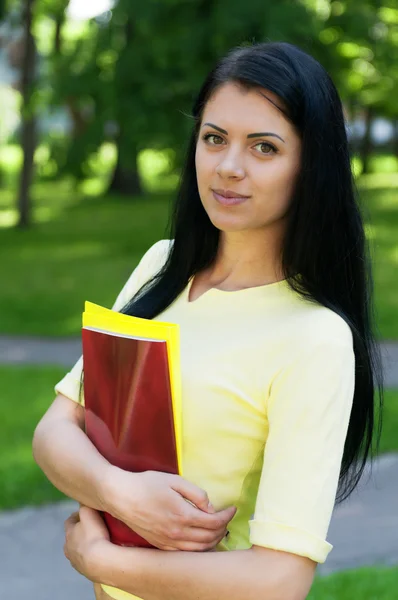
251	135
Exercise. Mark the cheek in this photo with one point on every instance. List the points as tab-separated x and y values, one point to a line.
205	163
278	178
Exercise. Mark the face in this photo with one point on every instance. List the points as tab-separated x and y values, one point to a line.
262	167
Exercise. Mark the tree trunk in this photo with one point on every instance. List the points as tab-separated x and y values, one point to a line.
59	22
78	121
126	180
28	126
395	140
366	146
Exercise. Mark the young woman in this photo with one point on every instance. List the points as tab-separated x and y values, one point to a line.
266	270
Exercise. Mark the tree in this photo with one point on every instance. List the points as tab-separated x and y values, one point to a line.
28	126
133	76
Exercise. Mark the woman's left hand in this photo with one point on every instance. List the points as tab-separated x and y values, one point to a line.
86	536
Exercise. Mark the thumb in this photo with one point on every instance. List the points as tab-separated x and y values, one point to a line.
92	519
194	494
89	515
228	513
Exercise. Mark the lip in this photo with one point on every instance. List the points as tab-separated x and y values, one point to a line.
229	193
229	201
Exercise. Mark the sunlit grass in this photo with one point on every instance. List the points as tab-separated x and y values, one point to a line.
154	167
381	214
370	583
381	164
29	389
85	251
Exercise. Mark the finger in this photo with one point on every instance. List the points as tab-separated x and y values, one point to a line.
197	518
192	493
90	516
71	521
87	513
198	547
93	519
227	514
203	536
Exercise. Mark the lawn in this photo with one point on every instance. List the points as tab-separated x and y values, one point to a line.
375	583
86	254
26	394
84	246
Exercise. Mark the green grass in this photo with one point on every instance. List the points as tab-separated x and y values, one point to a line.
27	392
84	247
375	583
380	200
87	253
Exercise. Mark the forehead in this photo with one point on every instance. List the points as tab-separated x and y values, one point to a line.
243	108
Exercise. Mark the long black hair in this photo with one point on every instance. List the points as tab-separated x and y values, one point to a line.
325	241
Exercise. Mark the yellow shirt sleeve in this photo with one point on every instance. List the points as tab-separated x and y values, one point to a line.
308	412
149	264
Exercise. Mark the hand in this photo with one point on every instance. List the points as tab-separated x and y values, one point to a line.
167	510
85	535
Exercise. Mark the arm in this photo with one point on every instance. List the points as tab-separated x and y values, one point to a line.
153	504
59	443
253	574
256	573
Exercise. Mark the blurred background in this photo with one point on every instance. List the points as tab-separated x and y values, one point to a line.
95	102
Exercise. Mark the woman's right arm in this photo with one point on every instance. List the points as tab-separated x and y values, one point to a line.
151	503
68	458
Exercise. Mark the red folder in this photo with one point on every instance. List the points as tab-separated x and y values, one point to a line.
129	409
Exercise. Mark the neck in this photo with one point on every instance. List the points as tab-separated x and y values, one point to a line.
247	258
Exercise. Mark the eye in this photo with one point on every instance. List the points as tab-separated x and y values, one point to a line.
270	146
213	135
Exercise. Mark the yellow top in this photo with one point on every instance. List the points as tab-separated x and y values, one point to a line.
267	388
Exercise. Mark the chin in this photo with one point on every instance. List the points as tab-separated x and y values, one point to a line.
227	222
227	225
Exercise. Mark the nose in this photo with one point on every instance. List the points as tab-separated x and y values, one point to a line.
231	166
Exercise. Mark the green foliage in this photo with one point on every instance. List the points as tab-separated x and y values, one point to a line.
133	79
360	38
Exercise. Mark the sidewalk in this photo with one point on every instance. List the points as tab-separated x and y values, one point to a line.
65	352
363	531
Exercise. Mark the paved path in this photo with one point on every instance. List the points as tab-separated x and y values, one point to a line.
363	531
65	351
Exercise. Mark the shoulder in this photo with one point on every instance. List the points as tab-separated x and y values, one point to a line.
149	265
313	325
155	257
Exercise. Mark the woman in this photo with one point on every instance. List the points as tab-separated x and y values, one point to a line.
267	273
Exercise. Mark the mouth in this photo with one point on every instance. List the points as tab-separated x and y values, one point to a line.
233	201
